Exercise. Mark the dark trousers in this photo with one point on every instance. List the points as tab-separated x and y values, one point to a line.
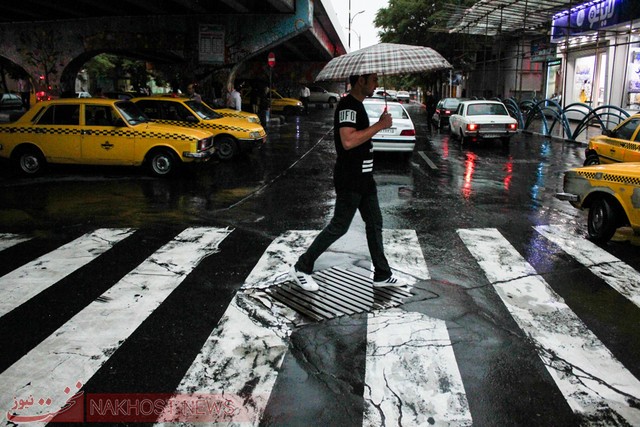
346	205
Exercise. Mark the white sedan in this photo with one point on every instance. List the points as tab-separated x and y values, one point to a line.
401	137
320	94
475	120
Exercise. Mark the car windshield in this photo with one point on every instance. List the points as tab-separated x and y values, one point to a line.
450	104
131	113
203	110
486	110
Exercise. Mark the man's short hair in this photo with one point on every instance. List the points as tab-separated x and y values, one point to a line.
354	79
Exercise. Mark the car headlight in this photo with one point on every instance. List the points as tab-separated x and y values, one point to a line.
299	104
254	135
253	120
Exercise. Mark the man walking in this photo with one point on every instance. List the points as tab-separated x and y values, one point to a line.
354	184
305	93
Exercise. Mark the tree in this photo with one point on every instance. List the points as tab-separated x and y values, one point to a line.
425	23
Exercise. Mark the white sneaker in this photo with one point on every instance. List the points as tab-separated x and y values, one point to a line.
304	280
390	282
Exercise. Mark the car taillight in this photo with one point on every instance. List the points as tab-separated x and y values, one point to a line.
472	127
447	111
512	126
408	132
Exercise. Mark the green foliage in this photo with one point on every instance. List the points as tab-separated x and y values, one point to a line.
426	23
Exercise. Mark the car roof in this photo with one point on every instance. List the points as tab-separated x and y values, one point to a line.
92	101
381	101
483	101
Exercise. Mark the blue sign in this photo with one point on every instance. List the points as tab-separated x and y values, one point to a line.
592	16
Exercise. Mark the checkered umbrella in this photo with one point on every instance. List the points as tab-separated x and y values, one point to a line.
385	59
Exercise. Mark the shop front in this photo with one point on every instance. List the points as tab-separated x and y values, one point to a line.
597	55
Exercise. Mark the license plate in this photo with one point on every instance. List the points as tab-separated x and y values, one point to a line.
388	130
491	135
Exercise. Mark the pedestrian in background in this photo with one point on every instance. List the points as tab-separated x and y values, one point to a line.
264	106
354	185
191	91
233	99
430	106
305	93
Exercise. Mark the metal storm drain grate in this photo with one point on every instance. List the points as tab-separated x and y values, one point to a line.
342	292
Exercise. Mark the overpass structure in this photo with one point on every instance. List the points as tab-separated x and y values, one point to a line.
50	41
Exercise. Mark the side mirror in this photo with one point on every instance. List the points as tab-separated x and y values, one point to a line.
119	123
607	132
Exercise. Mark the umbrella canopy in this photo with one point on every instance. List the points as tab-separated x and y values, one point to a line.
386	59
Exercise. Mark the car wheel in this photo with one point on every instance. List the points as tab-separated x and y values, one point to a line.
332	100
162	163
592	159
226	148
603	221
30	161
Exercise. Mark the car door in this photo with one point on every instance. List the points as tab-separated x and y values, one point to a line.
455	119
106	139
58	133
631	146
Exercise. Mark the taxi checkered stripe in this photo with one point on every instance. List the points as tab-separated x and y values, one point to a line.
98	132
52	131
621	179
203	125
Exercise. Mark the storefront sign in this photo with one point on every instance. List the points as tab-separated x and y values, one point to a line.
591	16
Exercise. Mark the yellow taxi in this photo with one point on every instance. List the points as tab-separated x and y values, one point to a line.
96	131
287	106
622	144
611	193
232	135
279	103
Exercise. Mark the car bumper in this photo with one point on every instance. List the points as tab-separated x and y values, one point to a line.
252	143
568	197
199	155
394	146
489	135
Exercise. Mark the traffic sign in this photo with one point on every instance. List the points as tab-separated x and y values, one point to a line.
272	59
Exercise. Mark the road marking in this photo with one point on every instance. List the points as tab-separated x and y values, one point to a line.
8	239
594	383
74	352
24	283
252	338
620	276
412	377
428	160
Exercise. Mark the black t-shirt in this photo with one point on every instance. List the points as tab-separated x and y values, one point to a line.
354	168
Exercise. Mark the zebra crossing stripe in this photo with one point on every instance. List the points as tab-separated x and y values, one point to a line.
411	374
595	384
250	341
24	283
8	239
74	352
620	276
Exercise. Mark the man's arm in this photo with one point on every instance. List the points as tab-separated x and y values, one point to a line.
352	138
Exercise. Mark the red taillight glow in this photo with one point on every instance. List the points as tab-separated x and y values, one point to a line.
513	126
447	111
408	132
472	127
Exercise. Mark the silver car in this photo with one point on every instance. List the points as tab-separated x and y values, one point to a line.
401	137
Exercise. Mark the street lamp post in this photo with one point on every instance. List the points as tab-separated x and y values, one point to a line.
350	21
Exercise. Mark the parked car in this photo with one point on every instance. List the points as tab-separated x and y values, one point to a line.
95	131
609	192
232	135
622	144
444	108
403	96
401	137
320	94
11	107
476	120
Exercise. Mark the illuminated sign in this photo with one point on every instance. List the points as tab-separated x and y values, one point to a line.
592	16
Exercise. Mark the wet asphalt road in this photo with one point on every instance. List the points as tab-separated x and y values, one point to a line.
442	188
